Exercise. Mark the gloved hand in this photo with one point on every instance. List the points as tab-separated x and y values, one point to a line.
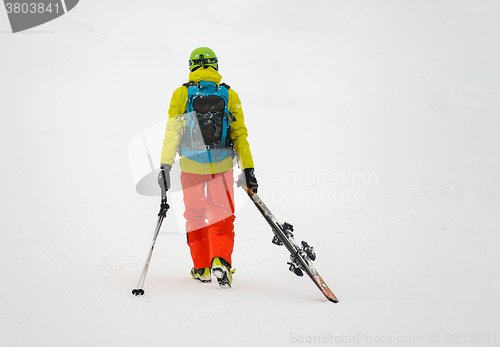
164	177
250	179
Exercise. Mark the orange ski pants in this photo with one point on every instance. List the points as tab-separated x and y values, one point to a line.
209	213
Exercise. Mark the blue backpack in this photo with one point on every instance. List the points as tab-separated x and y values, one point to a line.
206	137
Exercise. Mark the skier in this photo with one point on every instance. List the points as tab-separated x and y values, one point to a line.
206	127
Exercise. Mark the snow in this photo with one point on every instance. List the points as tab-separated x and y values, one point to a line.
374	129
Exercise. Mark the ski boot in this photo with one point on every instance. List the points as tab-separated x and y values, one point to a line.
222	270
203	275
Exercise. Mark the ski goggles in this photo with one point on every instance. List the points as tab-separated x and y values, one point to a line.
202	61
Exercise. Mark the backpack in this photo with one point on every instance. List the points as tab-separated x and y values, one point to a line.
206	137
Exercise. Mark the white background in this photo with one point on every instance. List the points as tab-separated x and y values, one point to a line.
403	92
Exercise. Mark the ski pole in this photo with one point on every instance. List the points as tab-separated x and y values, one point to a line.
161	215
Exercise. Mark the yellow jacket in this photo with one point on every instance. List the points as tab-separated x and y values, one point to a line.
175	128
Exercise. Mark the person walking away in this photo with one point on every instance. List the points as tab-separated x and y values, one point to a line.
206	128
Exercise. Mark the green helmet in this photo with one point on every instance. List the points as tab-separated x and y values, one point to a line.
203	56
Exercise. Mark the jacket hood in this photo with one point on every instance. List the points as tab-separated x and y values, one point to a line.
208	74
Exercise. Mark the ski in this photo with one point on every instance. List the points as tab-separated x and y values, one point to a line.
301	257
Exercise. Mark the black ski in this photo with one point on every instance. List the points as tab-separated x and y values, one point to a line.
301	257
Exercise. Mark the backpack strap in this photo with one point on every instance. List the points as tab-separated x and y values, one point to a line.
190	84
228	115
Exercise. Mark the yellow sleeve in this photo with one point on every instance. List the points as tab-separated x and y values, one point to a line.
239	131
175	126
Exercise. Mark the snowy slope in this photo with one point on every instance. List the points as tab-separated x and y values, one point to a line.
374	129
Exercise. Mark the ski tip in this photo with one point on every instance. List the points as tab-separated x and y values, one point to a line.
332	297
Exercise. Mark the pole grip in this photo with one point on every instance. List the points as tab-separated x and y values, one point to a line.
164	185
